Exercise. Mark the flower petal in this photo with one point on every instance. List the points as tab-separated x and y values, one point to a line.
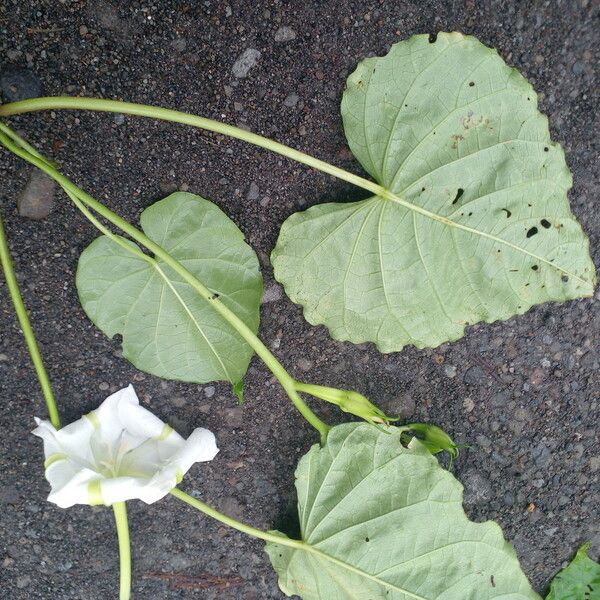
118	452
72	439
201	446
70	483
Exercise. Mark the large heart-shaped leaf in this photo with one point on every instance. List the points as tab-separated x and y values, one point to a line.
383	522
479	228
167	329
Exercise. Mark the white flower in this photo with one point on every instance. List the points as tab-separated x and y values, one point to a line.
118	452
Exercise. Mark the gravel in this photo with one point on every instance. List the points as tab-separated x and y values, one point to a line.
135	51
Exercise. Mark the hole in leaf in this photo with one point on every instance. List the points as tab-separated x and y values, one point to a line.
508	213
532	232
546	148
471	83
534	268
423	189
432	38
545	224
459	193
366	539
565	278
470	214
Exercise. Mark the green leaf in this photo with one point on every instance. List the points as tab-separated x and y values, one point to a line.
480	227
168	329
383	522
580	580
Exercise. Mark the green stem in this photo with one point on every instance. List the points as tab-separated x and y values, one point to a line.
286	380
231	522
120	511
165	114
322	557
328	394
23	316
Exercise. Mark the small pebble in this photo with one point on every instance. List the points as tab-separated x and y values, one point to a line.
272	293
285	34
19	84
304	364
37	199
248	59
450	371
475	376
253	192
179	44
291	100
209	391
468	404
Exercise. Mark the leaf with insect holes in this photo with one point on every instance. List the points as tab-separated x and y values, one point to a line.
479	227
168	329
381	521
580	580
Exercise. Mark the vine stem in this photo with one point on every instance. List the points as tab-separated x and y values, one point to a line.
8	140
234	523
175	116
25	323
120	512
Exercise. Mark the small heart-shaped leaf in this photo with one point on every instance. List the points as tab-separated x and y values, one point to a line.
168	329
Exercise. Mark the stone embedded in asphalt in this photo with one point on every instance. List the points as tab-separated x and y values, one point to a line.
291	100
450	371
272	293
285	34
253	192
477	488
19	84
37	199
248	59
475	376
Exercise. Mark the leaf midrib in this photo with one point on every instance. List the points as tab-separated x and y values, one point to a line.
153	264
336	561
388	195
188	310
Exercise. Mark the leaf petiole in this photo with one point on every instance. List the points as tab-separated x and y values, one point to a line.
234	523
175	116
